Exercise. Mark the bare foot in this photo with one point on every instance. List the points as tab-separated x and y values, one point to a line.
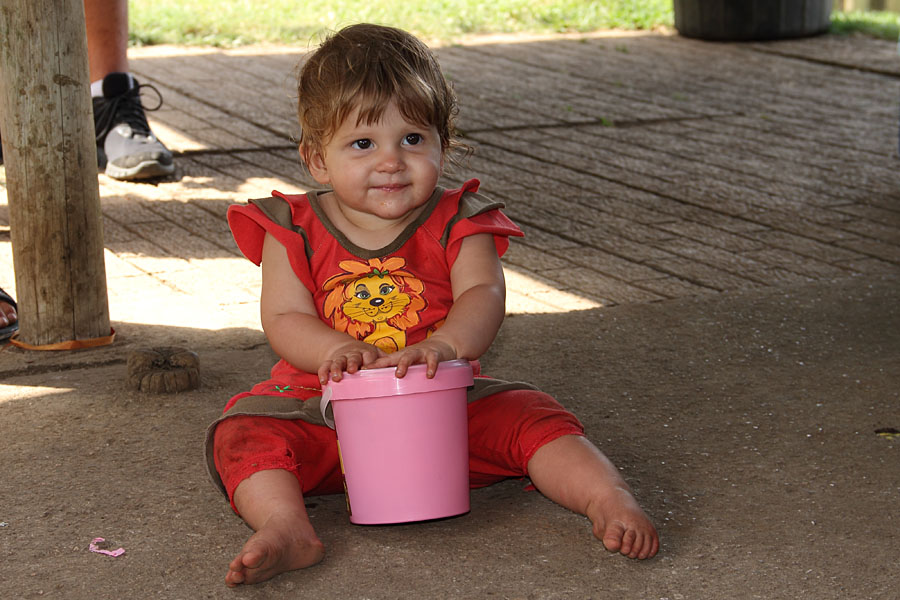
622	526
7	314
572	471
281	545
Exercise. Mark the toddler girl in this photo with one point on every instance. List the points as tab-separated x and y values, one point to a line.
384	268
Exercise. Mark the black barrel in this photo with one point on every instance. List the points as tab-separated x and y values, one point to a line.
740	20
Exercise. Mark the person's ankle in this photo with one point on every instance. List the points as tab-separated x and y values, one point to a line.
97	86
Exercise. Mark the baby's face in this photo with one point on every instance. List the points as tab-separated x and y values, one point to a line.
384	170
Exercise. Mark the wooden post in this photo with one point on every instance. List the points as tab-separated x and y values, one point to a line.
51	172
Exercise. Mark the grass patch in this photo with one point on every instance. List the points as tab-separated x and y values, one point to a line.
240	22
879	24
228	23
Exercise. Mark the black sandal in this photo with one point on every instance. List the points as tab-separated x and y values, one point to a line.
9	330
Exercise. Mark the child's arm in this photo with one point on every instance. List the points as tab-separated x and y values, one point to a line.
479	305
293	327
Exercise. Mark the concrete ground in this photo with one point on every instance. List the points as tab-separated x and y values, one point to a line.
710	280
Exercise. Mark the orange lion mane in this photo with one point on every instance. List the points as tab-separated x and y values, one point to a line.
340	287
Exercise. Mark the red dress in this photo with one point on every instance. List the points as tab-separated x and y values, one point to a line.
391	297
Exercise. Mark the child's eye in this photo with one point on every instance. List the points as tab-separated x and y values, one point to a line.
362	144
412	139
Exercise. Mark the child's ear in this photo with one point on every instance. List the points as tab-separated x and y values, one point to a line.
316	165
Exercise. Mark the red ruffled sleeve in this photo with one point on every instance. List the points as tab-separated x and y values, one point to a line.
249	225
488	219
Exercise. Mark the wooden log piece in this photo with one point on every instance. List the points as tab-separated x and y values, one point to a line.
51	172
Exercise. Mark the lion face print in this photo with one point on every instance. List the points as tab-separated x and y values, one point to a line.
375	301
375	298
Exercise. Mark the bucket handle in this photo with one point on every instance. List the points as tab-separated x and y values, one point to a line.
324	402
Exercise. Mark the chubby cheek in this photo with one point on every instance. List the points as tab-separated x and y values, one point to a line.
429	169
435	161
352	171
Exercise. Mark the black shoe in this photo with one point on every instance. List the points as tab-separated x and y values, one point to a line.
125	144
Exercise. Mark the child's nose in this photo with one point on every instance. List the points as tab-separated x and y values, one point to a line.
390	161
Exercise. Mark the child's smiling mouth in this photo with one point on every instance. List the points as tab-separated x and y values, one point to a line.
391	187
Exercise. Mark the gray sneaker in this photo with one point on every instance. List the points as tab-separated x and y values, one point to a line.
125	145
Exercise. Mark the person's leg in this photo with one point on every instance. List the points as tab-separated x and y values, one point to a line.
571	471
271	503
524	433
126	146
259	461
107	36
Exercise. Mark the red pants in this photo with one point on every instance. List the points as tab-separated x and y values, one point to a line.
505	430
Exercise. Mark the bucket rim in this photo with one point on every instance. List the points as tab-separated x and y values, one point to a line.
380	383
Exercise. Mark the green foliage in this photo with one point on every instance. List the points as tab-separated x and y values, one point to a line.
884	25
239	22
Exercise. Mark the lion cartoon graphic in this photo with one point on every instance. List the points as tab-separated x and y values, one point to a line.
375	301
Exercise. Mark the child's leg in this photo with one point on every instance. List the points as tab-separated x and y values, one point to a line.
527	433
258	459
271	502
570	470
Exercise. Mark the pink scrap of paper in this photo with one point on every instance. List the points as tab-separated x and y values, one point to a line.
94	548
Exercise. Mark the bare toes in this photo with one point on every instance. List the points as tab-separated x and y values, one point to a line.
630	542
269	552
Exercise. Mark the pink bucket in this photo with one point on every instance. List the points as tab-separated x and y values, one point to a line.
404	443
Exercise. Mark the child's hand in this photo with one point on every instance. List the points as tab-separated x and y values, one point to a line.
430	352
349	357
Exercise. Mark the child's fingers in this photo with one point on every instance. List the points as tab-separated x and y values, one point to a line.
354	361
431	364
323	373
349	360
404	359
403	364
385	360
371	356
430	358
332	369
